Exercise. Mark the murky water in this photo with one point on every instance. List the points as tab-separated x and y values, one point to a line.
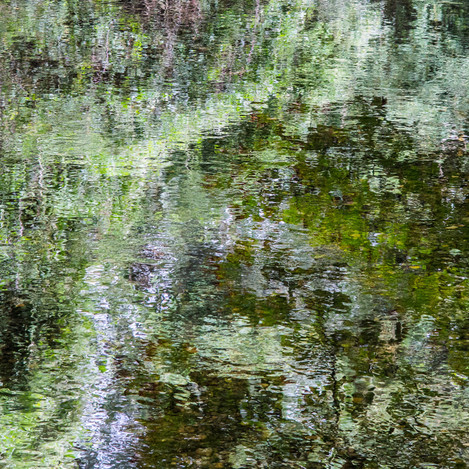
234	234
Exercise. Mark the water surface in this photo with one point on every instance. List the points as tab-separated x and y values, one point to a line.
234	234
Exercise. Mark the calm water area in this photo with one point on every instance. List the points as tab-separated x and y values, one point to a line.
234	234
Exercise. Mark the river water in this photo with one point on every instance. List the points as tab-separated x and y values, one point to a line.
234	234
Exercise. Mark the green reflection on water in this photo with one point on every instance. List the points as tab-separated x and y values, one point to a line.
234	234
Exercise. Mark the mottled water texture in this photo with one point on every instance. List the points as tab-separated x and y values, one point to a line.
234	234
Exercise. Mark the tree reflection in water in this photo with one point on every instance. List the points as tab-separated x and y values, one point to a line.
233	234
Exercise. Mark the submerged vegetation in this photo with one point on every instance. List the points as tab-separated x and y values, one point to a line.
234	234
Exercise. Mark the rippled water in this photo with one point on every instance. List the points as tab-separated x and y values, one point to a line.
234	234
